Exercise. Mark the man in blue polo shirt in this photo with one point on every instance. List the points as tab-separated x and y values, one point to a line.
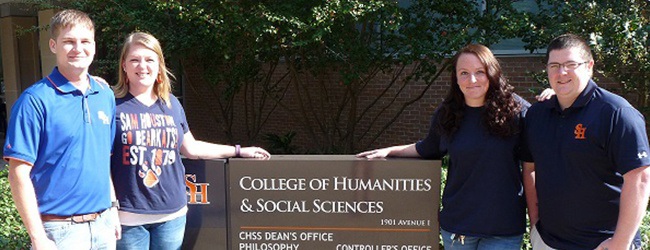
59	143
586	168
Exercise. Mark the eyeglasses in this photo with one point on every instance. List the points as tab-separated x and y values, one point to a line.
568	66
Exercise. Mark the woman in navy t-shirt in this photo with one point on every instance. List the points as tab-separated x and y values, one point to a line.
152	133
478	126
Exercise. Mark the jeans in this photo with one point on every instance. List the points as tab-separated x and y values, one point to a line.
453	241
164	236
97	234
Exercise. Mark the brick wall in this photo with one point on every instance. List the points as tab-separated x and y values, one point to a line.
203	111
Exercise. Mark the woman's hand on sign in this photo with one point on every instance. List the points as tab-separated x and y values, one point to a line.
408	150
376	153
255	152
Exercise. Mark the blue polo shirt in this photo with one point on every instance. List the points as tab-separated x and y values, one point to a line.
67	136
581	154
484	194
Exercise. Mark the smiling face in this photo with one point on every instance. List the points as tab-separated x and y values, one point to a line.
568	83
74	47
142	67
472	79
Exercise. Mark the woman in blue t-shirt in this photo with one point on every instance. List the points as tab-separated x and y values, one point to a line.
478	126
152	133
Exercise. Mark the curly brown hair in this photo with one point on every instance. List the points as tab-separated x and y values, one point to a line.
501	108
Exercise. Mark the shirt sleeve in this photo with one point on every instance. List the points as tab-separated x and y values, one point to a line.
628	140
24	129
430	146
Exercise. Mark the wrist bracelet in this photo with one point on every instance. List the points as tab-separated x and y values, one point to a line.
237	151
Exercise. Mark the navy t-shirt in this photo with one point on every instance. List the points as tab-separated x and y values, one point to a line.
581	154
146	166
484	194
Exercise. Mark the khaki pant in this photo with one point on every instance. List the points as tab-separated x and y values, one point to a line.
537	242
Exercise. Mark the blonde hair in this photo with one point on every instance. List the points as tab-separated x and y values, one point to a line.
162	87
69	18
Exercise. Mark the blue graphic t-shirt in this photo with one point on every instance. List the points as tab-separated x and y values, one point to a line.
146	165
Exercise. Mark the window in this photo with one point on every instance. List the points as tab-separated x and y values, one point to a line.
515	46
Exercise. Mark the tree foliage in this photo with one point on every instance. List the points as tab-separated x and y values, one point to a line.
327	55
618	32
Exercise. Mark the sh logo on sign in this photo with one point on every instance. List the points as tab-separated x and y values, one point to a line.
197	192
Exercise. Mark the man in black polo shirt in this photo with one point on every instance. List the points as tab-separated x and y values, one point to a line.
586	168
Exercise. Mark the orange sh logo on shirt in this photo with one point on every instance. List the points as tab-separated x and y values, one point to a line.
580	131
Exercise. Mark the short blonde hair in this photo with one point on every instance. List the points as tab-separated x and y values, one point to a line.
68	18
162	87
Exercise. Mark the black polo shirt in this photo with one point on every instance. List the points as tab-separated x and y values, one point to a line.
581	154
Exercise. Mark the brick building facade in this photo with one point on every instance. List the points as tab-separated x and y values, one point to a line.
412	124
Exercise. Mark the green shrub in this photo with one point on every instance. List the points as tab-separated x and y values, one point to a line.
13	234
281	144
645	229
